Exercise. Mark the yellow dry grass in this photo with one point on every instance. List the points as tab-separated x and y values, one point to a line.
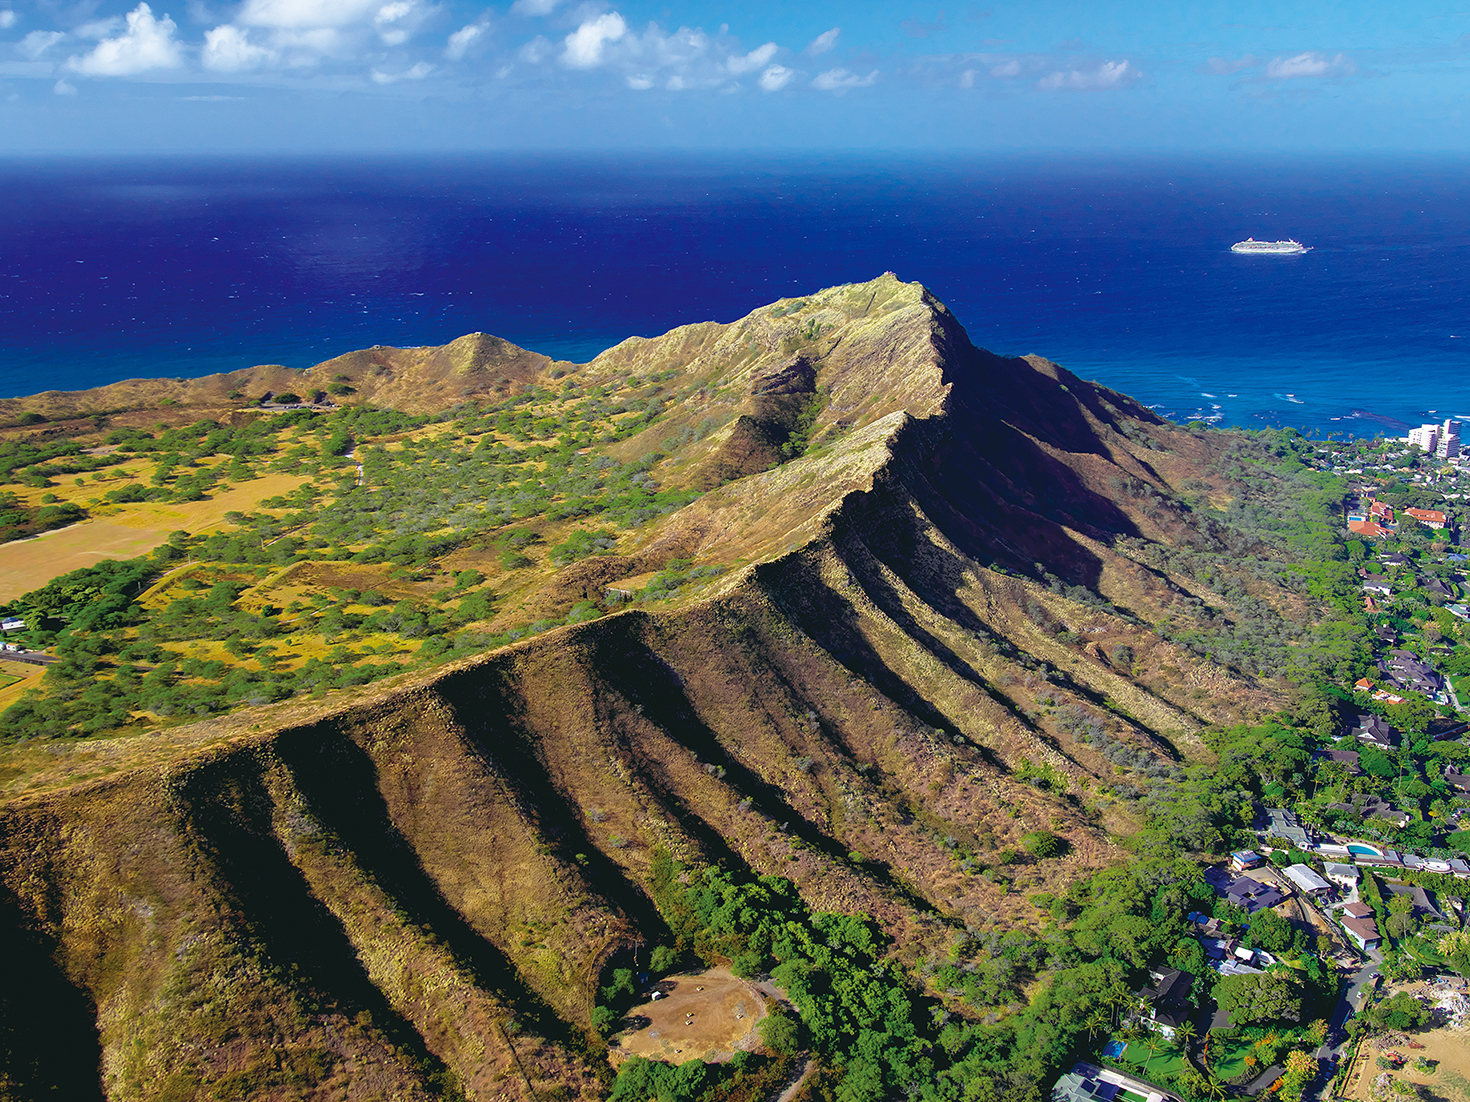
29	564
123	531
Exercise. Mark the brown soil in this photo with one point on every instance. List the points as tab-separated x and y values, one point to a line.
708	1016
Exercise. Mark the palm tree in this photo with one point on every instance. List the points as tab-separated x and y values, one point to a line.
1153	1042
1185	1032
1097	1023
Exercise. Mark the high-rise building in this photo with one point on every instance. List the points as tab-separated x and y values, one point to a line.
1448	446
1425	436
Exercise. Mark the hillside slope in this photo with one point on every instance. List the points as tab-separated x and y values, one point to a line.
935	571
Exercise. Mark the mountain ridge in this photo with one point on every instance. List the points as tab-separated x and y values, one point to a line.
432	880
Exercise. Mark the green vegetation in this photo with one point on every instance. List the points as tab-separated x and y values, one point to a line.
383	497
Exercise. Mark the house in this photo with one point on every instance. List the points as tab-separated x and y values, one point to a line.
1089	1083
1243	859
1372	806
1344	876
1364	685
1424	904
1348	759
1281	823
1387	634
1167	999
1395	559
1431	517
10	623
1232	968
1253	896
1382	513
1386	697
1364	931
1456	779
1307	880
1458	610
1358	910
1410	672
1436	588
1367	528
1242	891
1379	586
1375	731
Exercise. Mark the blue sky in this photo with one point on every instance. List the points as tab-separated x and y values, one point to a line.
420	75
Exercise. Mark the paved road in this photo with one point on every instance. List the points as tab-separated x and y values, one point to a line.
1347	1006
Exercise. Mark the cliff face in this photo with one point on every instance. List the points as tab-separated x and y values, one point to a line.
391	893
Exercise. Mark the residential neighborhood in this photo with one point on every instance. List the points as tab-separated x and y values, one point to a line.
1339	920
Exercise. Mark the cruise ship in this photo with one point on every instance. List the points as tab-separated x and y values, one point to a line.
1276	248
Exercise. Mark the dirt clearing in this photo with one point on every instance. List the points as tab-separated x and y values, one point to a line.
709	1016
1447	1049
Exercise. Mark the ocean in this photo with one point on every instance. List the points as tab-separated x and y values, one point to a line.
1120	270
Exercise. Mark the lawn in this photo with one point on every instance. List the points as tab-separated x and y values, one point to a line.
1227	1057
1166	1062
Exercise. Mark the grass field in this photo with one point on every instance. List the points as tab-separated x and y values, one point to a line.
29	564
124	531
16	678
1166	1062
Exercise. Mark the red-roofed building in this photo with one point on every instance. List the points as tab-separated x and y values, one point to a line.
1363	684
1432	517
1367	528
1381	512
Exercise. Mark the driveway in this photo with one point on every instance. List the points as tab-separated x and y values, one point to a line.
1350	1002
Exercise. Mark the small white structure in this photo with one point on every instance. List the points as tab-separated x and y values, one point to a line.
1344	876
10	623
1307	880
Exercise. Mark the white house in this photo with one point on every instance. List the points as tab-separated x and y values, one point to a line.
1307	880
1344	876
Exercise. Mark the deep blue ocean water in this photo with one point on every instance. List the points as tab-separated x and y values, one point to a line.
1119	270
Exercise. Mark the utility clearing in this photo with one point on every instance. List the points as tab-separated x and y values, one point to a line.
709	1016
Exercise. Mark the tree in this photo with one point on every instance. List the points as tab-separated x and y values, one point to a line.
1043	844
1270	931
1402	1012
1301	1069
1271	996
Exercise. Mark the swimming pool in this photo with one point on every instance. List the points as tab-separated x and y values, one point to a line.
1366	850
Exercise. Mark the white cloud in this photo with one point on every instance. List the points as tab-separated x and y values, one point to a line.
462	39
418	72
37	43
534	7
100	28
745	63
395	21
535	51
640	82
840	80
148	43
967	78
8	18
228	49
584	45
305	13
776	77
824	41
62	88
1110	74
1307	65
1011	68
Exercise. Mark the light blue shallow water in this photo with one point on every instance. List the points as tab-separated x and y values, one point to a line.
1121	271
